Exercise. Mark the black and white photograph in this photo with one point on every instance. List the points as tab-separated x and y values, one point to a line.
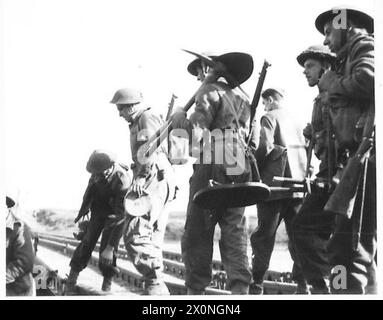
189	149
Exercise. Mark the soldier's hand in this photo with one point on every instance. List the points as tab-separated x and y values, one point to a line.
139	185
326	80
308	131
178	118
9	278
106	257
81	214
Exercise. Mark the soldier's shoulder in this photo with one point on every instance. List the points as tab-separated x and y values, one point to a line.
241	96
319	96
149	115
275	113
208	90
211	87
270	117
279	114
361	43
363	39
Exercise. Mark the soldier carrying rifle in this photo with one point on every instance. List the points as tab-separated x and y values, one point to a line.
349	90
143	228
223	110
312	227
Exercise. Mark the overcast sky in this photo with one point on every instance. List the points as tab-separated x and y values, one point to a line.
63	61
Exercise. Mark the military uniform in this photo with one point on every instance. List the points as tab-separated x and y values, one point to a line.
350	92
143	235
281	152
19	258
105	198
223	112
312	227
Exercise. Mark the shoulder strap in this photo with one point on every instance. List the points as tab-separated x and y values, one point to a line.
217	87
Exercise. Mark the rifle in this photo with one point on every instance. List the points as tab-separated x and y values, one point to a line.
161	134
171	106
253	108
343	198
305	185
86	202
257	94
309	157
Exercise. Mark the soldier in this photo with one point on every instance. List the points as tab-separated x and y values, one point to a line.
143	233
19	255
312	227
350	92
222	110
104	197
281	152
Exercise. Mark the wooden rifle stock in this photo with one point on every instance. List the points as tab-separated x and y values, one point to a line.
86	202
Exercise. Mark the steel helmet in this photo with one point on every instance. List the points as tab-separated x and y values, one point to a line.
317	52
99	161
127	96
361	19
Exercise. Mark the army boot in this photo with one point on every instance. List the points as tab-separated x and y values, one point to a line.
70	288
155	285
106	284
256	288
319	286
239	288
302	288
